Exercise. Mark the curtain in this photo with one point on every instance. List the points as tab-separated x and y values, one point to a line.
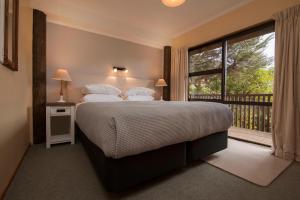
286	100
179	74
2	11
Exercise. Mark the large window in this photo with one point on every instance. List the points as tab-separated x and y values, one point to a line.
240	64
237	70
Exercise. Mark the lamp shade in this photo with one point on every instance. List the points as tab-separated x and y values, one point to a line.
161	83
62	75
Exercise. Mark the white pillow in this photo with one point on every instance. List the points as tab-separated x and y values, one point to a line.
101	89
142	91
140	98
101	98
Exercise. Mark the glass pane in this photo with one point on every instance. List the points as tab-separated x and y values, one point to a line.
205	87
250	65
206	58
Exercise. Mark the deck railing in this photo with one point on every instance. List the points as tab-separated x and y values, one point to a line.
251	111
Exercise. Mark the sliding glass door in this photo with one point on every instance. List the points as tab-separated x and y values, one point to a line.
237	70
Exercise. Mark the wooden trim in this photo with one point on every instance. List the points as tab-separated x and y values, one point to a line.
207	72
167	73
60	104
15	172
15	32
5	48
224	70
265	25
207	100
11	64
252	103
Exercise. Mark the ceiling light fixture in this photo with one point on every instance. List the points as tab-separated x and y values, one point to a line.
173	3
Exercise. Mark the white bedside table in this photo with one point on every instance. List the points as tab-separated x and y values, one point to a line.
60	123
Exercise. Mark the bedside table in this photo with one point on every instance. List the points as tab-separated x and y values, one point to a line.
60	123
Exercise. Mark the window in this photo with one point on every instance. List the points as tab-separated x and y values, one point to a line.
237	70
206	85
205	70
240	64
250	64
206	58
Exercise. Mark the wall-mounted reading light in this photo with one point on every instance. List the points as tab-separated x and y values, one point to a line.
122	69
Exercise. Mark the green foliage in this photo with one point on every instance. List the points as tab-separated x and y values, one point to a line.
206	85
208	58
249	69
258	82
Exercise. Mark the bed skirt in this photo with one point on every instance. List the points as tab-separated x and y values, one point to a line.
120	174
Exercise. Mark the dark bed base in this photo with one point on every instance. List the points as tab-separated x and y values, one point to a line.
206	146
120	174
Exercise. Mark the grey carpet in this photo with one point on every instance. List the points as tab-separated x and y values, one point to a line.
64	172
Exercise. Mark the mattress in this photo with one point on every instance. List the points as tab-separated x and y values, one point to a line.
123	129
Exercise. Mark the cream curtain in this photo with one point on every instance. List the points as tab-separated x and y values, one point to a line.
179	74
286	102
2	11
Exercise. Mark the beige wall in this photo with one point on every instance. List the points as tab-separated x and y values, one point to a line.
15	101
90	57
251	14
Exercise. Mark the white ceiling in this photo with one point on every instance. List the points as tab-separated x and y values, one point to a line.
146	22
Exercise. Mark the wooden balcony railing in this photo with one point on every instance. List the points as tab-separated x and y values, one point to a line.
251	111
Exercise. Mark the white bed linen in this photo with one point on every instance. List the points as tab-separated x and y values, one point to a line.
127	128
101	98
140	98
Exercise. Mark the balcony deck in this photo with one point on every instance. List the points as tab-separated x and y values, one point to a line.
252	114
254	136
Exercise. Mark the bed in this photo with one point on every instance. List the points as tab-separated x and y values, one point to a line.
131	142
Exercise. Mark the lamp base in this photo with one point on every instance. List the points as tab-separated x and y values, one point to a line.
61	99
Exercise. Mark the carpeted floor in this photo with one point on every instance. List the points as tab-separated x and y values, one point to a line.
64	172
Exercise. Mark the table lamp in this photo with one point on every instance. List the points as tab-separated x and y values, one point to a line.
161	83
62	75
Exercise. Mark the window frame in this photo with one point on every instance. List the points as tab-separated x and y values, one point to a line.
268	26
